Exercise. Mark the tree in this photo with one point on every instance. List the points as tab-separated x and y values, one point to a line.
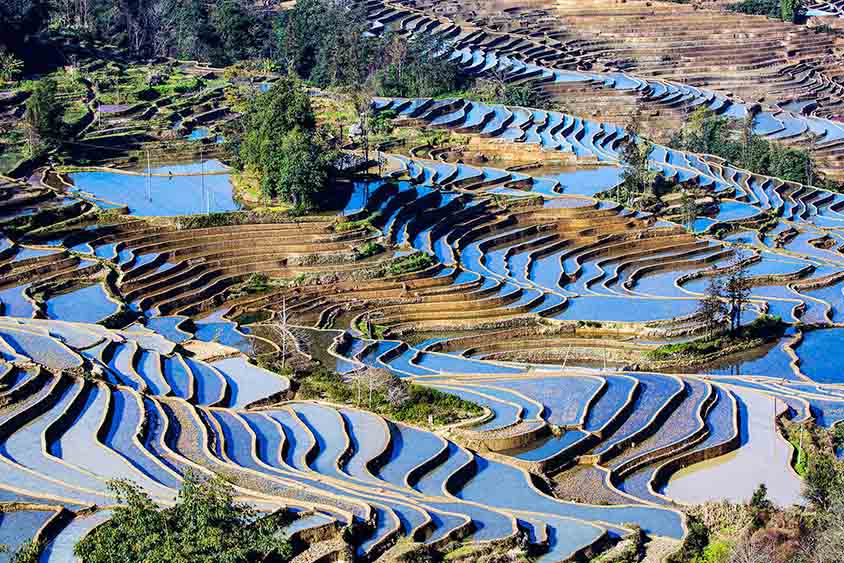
237	31
282	145
44	115
418	69
829	538
737	292
298	171
752	550
19	19
348	54
810	164
838	436
28	552
822	483
637	178
205	525
759	500
378	384
495	89
362	102
10	66
301	31
708	133
688	206
790	164
712	309
791	10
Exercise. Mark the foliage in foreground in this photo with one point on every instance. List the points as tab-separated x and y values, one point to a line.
758	531
28	552
205	525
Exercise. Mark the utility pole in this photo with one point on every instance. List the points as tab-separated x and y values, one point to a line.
371	377
149	178
283	332
566	358
202	179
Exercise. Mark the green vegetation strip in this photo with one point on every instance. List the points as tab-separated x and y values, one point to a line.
417	406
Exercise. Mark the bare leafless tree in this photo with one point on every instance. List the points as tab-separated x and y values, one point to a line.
753	550
369	381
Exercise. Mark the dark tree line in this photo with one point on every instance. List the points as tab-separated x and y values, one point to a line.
218	32
326	42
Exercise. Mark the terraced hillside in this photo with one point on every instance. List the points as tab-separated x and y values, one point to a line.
596	61
539	304
528	269
162	317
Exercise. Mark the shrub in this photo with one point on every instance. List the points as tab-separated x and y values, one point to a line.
361	223
391	397
696	541
371	248
692	348
206	524
410	263
770	8
257	283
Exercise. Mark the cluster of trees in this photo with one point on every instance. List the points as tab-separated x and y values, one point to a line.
205	525
637	178
19	20
386	395
328	43
726	298
43	122
708	133
785	10
219	32
495	89
280	142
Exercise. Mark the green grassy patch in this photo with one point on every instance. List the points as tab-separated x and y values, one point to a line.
369	249
378	331
692	348
74	112
801	459
762	328
360	223
410	263
248	184
179	84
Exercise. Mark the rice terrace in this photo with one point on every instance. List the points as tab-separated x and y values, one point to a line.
413	281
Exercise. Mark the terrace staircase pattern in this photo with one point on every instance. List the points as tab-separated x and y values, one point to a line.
541	301
592	76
